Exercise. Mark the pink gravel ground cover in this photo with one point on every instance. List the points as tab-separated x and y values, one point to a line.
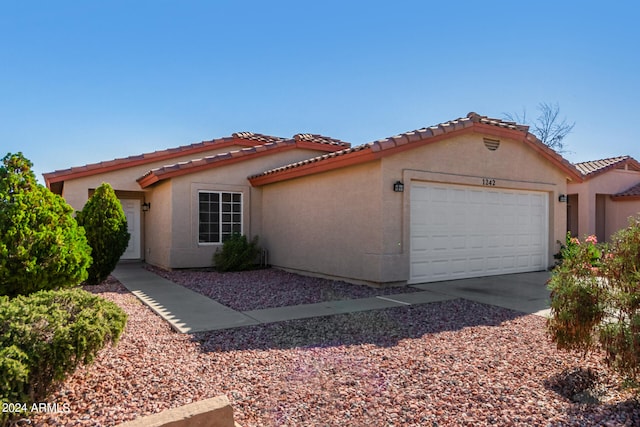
267	288
452	363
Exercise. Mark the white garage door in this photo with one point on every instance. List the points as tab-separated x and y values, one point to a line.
464	231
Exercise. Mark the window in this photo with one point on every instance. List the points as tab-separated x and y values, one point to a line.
220	216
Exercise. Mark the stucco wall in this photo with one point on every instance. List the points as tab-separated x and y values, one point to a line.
185	251
75	191
327	223
618	213
610	182
158	221
349	223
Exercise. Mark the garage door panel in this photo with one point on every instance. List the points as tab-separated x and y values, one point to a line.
464	231
458	242
508	262
458	266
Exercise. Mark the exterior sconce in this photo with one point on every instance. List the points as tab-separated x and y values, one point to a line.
562	198
398	187
146	207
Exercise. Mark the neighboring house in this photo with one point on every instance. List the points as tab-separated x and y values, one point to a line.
607	197
469	197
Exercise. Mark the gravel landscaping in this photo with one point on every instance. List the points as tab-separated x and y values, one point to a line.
267	288
451	363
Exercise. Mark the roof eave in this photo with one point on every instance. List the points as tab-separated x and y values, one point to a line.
331	148
117	164
313	167
153	177
624	198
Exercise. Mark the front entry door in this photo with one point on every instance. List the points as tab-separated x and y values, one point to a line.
131	209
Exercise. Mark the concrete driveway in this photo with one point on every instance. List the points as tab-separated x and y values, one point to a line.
526	292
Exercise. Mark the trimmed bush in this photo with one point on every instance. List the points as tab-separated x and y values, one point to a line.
46	335
41	244
237	254
595	299
105	226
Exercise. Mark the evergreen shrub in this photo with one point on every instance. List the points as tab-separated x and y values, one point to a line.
105	226
41	244
46	335
237	254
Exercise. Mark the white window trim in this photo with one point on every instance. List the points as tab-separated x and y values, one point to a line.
220	193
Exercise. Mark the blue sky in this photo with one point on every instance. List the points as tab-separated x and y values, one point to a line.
85	81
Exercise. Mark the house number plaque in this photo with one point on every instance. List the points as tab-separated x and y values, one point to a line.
489	182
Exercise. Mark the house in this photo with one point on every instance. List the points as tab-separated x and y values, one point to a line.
470	197
181	202
607	196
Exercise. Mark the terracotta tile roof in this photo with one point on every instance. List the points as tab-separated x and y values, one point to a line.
262	139
183	168
301	140
319	139
632	193
247	139
241	138
595	167
381	147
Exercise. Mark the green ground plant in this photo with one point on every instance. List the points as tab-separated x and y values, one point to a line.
105	226
595	299
237	254
41	244
46	335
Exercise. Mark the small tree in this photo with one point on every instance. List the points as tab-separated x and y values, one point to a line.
548	126
595	299
106	227
41	245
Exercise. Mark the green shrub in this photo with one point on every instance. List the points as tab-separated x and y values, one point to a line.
237	254
46	335
41	245
105	225
595	299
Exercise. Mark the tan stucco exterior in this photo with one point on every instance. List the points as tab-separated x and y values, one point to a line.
76	191
181	201
169	230
322	208
609	217
349	223
329	223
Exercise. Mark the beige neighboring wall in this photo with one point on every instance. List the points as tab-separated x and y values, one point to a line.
349	223
608	183
185	250
618	213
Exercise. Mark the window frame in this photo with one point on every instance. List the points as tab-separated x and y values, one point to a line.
221	212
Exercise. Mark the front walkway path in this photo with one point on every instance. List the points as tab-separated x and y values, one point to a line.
189	311
185	310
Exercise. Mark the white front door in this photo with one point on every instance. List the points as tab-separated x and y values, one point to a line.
131	209
460	231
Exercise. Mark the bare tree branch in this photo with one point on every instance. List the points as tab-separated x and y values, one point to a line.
548	126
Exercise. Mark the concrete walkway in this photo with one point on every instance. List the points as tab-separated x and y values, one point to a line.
187	311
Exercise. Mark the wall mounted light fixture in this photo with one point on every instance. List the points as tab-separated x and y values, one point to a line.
146	207
562	198
398	187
